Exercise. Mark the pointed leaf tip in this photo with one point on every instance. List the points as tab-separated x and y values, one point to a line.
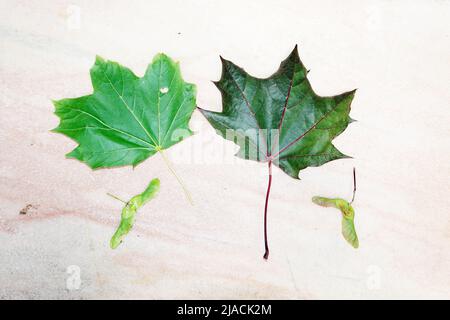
99	60
294	52
159	56
130	209
222	59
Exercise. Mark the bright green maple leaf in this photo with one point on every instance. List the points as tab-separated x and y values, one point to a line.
280	119
128	119
130	209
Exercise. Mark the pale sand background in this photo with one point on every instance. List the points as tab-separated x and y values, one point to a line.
396	52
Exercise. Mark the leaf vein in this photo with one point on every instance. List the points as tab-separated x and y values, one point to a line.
126	105
111	128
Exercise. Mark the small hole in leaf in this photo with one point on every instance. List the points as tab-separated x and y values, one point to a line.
164	90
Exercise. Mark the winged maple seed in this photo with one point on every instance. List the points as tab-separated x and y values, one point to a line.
128	119
129	211
279	120
347	211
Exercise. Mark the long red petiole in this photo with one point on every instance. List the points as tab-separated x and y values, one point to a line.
266	243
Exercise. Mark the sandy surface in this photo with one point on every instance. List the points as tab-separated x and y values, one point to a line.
395	52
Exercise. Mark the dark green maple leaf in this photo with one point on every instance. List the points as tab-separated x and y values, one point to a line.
280	120
128	119
348	217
